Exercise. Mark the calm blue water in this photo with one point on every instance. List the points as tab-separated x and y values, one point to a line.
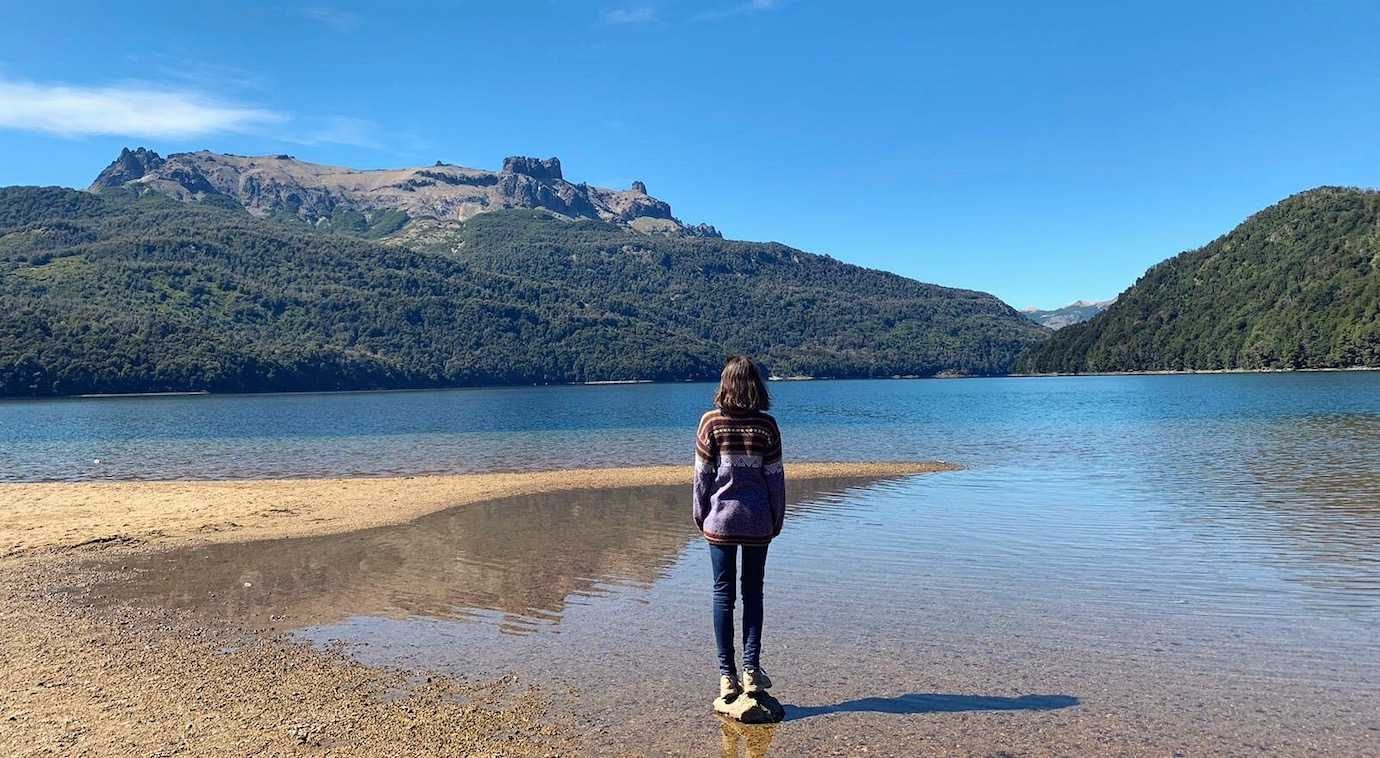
1194	560
1313	427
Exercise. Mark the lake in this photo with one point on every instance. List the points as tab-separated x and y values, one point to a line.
1160	562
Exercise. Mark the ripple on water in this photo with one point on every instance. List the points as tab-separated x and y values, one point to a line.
1160	536
896	552
949	572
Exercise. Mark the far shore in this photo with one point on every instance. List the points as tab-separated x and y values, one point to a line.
38	516
619	382
145	394
1190	372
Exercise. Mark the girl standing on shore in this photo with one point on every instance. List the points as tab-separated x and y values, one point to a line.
740	501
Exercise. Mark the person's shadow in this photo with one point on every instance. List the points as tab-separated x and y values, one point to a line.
929	702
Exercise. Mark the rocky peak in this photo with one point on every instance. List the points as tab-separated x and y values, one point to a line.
131	165
701	230
536	168
435	195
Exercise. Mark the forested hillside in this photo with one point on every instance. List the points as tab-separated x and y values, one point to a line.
1295	286
118	293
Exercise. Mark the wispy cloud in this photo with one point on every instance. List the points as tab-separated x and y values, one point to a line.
639	15
742	9
132	109
340	130
336	18
211	77
196	73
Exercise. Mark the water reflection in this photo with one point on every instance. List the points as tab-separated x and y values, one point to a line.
1320	477
1118	585
1300	494
522	559
1120	538
754	739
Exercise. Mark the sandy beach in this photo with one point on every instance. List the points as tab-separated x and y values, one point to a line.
47	516
150	681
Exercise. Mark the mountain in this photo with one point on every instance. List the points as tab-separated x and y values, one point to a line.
134	289
1074	313
1295	286
382	202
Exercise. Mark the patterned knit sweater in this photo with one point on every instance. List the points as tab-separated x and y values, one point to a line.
740	486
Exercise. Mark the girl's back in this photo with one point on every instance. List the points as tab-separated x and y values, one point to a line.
739	478
739	505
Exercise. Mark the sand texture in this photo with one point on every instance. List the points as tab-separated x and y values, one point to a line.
58	515
77	679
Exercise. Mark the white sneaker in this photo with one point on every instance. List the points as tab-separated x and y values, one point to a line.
755	681
728	688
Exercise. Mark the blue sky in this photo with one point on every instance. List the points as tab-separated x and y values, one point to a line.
1043	152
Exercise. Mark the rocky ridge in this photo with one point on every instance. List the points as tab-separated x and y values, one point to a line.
1074	313
438	194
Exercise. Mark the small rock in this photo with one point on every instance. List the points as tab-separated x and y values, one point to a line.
754	708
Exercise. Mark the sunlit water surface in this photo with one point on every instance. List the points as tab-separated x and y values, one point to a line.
1195	560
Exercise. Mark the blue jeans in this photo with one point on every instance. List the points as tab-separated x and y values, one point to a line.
724	559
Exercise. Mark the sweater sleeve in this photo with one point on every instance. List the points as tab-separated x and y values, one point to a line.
706	466
775	474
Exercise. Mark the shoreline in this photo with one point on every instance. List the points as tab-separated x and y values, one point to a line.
124	679
621	382
57	516
81	674
140	394
1191	372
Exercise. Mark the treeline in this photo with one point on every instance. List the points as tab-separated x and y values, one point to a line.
802	314
1295	286
116	293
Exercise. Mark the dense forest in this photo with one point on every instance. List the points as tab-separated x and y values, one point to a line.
1295	286
118	293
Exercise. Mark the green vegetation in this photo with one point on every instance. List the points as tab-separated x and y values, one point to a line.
1294	286
116	293
372	225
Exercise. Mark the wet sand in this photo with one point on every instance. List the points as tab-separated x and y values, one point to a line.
129	679
57	515
145	681
598	599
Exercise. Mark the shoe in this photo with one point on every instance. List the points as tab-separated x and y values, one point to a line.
755	680
729	689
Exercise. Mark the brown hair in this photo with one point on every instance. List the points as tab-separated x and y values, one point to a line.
741	387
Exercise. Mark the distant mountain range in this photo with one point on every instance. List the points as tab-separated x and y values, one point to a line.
1073	313
1295	286
232	274
382	202
206	271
